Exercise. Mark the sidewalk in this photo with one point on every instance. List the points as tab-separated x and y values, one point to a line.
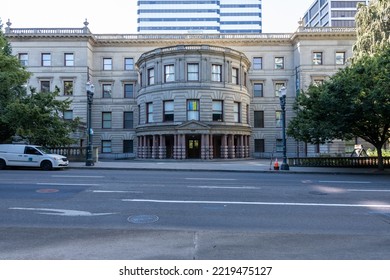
249	165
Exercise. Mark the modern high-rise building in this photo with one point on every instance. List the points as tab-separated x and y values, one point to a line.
200	16
328	13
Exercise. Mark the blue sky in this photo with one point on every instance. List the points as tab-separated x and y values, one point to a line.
279	16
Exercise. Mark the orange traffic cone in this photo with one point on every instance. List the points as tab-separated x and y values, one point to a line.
276	165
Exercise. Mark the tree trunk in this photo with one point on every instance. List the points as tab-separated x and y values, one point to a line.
380	158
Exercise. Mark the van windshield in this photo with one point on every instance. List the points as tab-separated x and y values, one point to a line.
43	150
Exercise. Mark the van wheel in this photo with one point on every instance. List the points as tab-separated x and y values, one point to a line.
3	165
46	165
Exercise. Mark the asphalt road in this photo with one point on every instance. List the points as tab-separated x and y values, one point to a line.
114	214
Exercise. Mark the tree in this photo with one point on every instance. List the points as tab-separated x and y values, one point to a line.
39	118
355	102
372	27
12	78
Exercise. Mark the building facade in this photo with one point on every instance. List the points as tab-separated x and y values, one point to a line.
329	13
183	96
201	16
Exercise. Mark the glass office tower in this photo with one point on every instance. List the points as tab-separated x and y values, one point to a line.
200	16
340	13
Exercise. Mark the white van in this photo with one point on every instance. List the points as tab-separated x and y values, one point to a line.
30	156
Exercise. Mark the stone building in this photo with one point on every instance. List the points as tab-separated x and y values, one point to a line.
184	96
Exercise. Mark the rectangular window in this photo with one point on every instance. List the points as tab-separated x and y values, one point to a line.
216	73
129	90
129	63
279	145
107	63
340	58
193	72
235	76
169	73
23	59
279	63
106	119
317	58
151	76
128	146
106	147
69	59
237	112
128	120
68	87
257	63
278	118
259	146
107	90
149	112
45	86
217	110
46	59
169	115
193	110
68	115
278	86
258	119
258	89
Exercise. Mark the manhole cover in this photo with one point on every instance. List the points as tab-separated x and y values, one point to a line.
143	219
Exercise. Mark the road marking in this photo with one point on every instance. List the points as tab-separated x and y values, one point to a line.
75	176
259	203
103	191
210	179
218	187
62	212
65	184
356	190
346	182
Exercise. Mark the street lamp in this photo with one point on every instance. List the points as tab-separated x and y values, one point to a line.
282	97
90	88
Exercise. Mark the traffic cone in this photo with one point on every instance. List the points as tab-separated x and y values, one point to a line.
276	165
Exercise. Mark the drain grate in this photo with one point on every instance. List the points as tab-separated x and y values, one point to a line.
143	219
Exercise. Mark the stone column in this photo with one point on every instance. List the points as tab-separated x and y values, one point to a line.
224	147
183	146
211	147
162	148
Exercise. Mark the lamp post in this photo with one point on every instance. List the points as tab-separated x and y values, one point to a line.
282	97
90	88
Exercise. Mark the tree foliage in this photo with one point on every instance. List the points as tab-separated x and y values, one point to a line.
355	102
372	27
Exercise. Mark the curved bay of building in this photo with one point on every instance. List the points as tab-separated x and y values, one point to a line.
184	96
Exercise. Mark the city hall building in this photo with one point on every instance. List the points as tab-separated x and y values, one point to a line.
183	96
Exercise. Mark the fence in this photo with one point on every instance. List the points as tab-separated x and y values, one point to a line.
75	153
338	161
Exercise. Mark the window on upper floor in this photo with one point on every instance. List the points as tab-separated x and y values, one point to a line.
193	72
149	112
107	90
235	76
106	119
340	58
278	118
257	63
45	86
216	73
128	90
69	59
279	63
278	86
217	110
68	88
128	120
193	109
68	115
169	113
258	89
317	58
150	76
23	59
46	59
237	112
129	63
107	63
169	73
258	119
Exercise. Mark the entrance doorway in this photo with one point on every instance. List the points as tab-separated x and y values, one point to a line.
193	146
